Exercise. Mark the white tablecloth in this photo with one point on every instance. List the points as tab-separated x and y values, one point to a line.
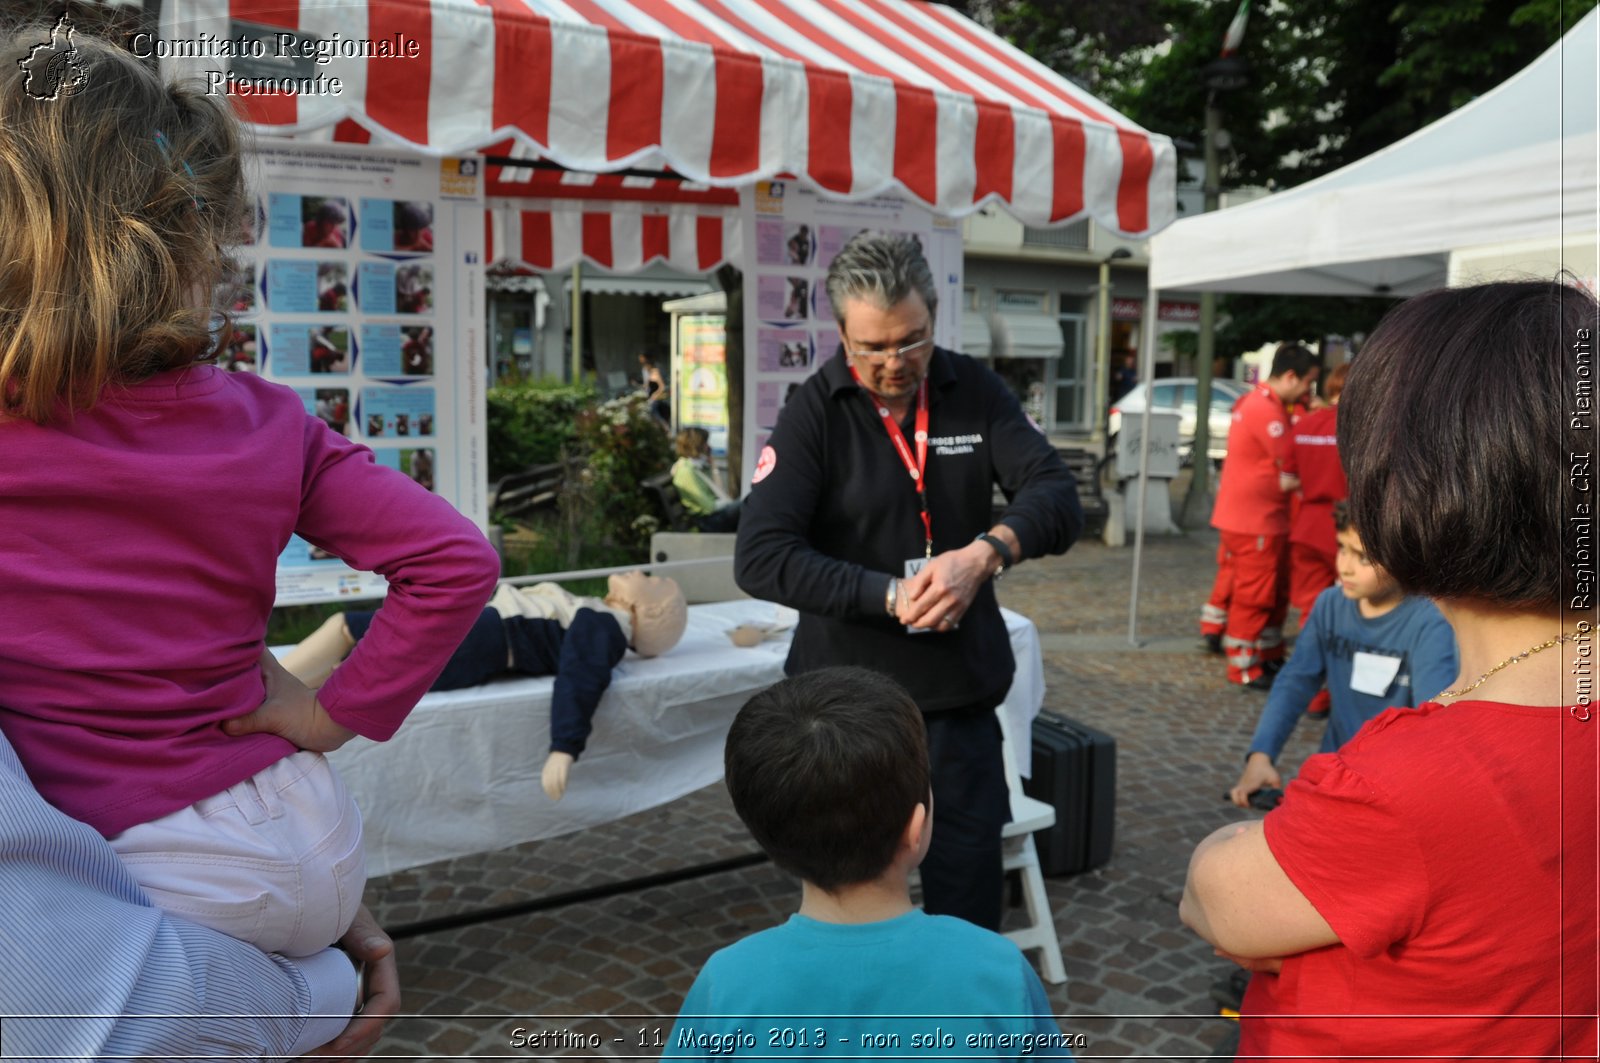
462	776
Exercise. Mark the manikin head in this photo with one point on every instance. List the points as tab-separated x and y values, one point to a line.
657	607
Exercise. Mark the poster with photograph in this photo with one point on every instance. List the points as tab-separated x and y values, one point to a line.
397	225
792	235
360	286
308	221
700	388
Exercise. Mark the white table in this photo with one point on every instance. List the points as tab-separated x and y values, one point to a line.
462	775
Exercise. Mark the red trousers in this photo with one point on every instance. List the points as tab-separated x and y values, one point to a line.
1310	573
1249	601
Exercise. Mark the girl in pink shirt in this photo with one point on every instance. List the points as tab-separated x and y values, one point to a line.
145	496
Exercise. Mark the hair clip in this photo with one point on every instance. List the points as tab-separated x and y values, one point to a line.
166	153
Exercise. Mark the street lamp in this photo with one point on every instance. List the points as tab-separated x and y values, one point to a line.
1102	353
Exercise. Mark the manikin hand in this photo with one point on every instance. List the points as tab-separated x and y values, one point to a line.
554	777
290	711
937	597
366	943
1258	772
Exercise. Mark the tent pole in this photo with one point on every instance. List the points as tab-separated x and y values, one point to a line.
1147	364
577	322
1197	501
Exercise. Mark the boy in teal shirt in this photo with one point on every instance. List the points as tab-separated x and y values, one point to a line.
829	771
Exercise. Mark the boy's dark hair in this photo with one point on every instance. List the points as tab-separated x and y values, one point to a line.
1455	429
825	769
1292	357
1341	517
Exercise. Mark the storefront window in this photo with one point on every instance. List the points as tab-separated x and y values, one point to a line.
1026	379
512	338
1074	379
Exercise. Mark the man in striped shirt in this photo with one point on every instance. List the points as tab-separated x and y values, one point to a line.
93	969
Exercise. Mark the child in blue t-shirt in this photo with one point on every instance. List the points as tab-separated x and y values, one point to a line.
829	771
1375	648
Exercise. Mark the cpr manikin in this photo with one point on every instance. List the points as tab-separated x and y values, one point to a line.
537	630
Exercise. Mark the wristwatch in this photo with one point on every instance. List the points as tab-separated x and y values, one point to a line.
1000	548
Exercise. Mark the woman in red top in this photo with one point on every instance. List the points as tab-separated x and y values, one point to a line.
1429	888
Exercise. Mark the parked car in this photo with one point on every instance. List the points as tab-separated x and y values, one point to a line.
1176	394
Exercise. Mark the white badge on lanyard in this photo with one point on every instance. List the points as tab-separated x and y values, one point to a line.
913	566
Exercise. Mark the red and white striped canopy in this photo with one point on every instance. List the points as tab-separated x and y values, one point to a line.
547	219
550	234
854	97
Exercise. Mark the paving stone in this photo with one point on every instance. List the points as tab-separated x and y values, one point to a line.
1180	730
1126	982
1165	994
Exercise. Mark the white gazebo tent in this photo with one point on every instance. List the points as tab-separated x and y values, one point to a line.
1514	168
1517	164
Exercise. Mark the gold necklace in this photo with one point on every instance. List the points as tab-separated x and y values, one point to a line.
1513	659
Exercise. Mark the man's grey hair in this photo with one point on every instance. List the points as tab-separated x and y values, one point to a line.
881	268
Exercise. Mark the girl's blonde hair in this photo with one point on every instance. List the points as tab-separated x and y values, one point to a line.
116	199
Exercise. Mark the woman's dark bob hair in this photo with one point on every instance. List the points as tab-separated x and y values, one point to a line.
1467	430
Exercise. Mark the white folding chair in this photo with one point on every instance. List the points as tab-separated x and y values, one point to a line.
1020	855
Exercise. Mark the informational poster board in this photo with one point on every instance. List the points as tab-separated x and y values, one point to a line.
700	388
791	237
361	287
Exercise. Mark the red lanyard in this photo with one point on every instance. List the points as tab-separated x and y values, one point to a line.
918	468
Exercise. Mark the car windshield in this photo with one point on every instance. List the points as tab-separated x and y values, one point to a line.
1223	396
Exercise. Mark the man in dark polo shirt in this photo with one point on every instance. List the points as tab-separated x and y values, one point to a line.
870	513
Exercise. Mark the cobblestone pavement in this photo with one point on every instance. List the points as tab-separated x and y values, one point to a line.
598	978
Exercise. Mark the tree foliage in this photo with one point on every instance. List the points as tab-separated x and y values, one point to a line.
1332	81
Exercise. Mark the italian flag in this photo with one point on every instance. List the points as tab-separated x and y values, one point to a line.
1235	35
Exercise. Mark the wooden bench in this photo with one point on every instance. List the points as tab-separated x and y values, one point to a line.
669	507
1086	469
525	491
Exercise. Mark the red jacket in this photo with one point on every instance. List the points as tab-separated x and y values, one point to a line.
1249	499
1314	457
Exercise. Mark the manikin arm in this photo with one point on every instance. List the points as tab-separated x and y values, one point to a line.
592	647
314	660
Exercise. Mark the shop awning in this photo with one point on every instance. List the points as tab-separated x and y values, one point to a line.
974	336
1023	335
854	97
653	287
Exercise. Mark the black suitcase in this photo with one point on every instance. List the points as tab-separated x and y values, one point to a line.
1075	771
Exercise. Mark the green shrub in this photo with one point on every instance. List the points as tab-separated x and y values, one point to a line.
541	545
530	421
620	443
